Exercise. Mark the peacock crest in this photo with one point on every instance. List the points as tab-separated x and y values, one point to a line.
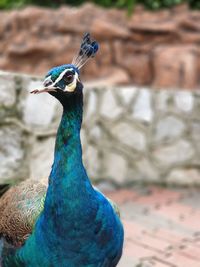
87	50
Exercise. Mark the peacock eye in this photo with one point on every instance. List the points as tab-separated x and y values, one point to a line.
68	78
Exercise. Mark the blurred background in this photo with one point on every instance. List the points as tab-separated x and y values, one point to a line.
141	127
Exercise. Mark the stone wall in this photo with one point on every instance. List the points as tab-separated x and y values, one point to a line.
149	48
129	134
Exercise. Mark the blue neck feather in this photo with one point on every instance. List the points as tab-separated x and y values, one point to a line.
68	151
69	185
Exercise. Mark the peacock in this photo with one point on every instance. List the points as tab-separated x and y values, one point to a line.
68	223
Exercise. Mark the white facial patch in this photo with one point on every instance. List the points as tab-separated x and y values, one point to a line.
72	86
48	81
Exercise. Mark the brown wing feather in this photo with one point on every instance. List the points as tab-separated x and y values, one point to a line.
20	207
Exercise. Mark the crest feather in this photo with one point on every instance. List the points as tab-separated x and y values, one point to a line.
87	50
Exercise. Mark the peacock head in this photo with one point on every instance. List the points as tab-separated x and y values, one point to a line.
63	81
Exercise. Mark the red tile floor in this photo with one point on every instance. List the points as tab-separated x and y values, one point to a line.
162	226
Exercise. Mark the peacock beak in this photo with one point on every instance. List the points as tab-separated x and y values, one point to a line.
44	90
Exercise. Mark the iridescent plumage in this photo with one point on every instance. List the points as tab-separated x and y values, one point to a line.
71	224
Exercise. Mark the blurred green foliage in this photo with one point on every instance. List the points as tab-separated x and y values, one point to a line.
128	4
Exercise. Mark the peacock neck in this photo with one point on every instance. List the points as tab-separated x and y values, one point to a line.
68	151
68	179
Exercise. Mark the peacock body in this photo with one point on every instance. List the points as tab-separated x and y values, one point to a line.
70	223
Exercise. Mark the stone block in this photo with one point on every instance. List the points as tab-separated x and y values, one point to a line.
138	67
90	104
195	130
42	153
104	56
174	154
109	30
96	133
115	167
145	171
71	21
127	94
158	22
14	166
164	100
92	70
184	101
195	135
142	110
109	106
184	177
7	90
129	136
168	128
179	73
189	37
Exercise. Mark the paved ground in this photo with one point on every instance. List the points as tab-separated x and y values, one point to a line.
162	226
